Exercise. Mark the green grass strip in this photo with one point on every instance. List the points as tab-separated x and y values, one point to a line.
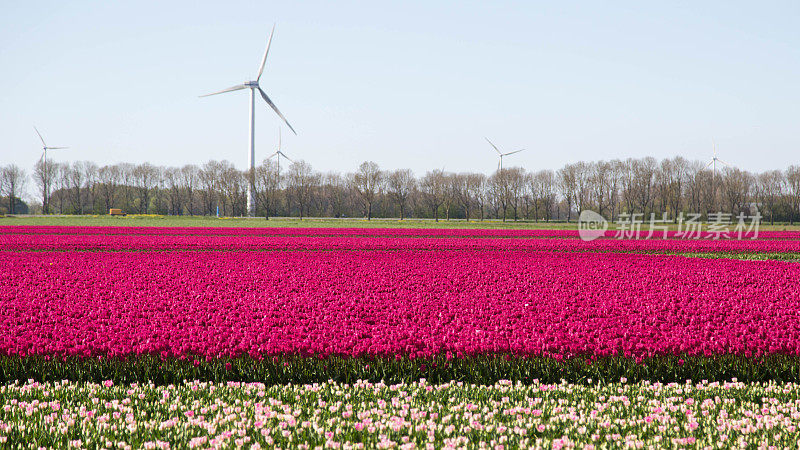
746	256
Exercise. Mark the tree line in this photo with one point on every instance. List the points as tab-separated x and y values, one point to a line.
610	188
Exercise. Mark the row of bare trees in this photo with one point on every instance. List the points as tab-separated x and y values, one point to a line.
642	186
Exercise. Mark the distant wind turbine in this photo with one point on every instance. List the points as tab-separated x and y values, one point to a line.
277	155
715	159
500	164
713	163
253	86
45	148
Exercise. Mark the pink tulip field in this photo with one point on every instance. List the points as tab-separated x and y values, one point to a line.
210	294
359	338
404	303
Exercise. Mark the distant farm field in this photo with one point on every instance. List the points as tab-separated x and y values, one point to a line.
314	222
258	222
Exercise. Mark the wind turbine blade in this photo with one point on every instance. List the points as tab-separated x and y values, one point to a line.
264	59
40	136
279	138
708	165
723	162
511	153
56	148
275	108
238	87
287	158
495	147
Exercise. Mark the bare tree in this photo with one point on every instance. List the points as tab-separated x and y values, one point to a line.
158	190
770	187
644	178
583	188
515	177
697	187
233	187
144	181
44	175
736	186
268	185
12	184
91	172
336	192
173	185
208	179
76	179
461	194
479	193
567	178
793	184
433	187
544	188
675	174
301	182
467	191
108	179
401	184
507	187
367	182
124	193
615	184
451	188
474	186
189	176
600	183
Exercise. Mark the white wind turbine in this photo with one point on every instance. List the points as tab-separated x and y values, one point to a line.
713	163
253	86
500	164
715	159
277	155
45	148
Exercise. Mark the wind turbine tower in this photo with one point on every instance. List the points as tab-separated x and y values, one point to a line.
45	148
713	163
254	86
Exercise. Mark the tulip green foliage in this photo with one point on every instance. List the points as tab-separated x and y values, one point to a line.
481	369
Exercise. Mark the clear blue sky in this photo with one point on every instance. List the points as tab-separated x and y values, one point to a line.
406	84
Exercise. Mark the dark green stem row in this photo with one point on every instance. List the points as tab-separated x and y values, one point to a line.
486	369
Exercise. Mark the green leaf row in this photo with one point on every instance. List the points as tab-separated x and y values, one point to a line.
484	369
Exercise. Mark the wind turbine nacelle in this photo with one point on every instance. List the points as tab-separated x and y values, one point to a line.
251	84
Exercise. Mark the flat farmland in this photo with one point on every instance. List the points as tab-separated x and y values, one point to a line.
287	322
